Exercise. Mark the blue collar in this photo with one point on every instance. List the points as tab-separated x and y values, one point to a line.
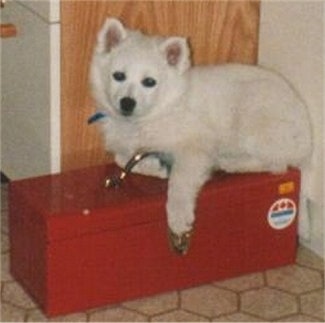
97	116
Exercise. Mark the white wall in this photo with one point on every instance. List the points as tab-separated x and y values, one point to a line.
292	42
30	86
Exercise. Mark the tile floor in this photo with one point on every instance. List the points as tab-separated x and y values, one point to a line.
288	294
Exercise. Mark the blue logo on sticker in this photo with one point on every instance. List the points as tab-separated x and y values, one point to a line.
282	213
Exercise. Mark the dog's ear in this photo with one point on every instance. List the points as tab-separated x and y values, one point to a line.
111	35
177	53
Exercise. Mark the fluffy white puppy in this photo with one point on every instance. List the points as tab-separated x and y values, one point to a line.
233	117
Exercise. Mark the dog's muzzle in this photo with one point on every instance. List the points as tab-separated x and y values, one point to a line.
127	106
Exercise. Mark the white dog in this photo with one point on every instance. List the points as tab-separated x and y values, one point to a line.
233	117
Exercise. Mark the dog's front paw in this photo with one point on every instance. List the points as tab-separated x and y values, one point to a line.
180	230
180	224
180	243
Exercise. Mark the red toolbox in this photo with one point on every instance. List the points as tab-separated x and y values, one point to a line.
76	245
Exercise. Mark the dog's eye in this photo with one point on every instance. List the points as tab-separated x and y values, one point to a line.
149	82
119	76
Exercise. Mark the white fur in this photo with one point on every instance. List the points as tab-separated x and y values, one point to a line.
233	117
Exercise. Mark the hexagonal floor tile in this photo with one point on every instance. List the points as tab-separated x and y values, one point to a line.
38	316
298	318
306	257
116	315
154	305
268	303
313	304
209	301
243	283
294	279
13	293
5	274
179	316
236	317
75	317
11	313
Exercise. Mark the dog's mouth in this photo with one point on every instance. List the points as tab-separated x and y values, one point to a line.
126	113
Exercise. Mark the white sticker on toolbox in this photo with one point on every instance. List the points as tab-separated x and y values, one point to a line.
282	213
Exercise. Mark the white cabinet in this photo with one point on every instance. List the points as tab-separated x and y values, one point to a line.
30	90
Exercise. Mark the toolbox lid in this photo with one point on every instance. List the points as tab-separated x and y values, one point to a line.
75	203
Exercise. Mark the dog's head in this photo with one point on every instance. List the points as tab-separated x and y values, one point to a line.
132	74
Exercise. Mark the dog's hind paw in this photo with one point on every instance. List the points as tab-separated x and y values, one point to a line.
180	243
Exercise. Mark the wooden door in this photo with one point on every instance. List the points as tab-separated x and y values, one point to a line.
219	31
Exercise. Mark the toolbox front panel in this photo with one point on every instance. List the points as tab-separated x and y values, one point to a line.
232	237
71	269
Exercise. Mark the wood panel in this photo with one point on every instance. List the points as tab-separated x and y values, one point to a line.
219	31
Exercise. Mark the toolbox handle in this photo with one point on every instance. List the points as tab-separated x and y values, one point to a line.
116	180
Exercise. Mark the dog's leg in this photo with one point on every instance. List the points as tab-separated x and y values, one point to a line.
187	177
151	166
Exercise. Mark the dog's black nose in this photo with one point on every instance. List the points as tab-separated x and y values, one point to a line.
127	105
